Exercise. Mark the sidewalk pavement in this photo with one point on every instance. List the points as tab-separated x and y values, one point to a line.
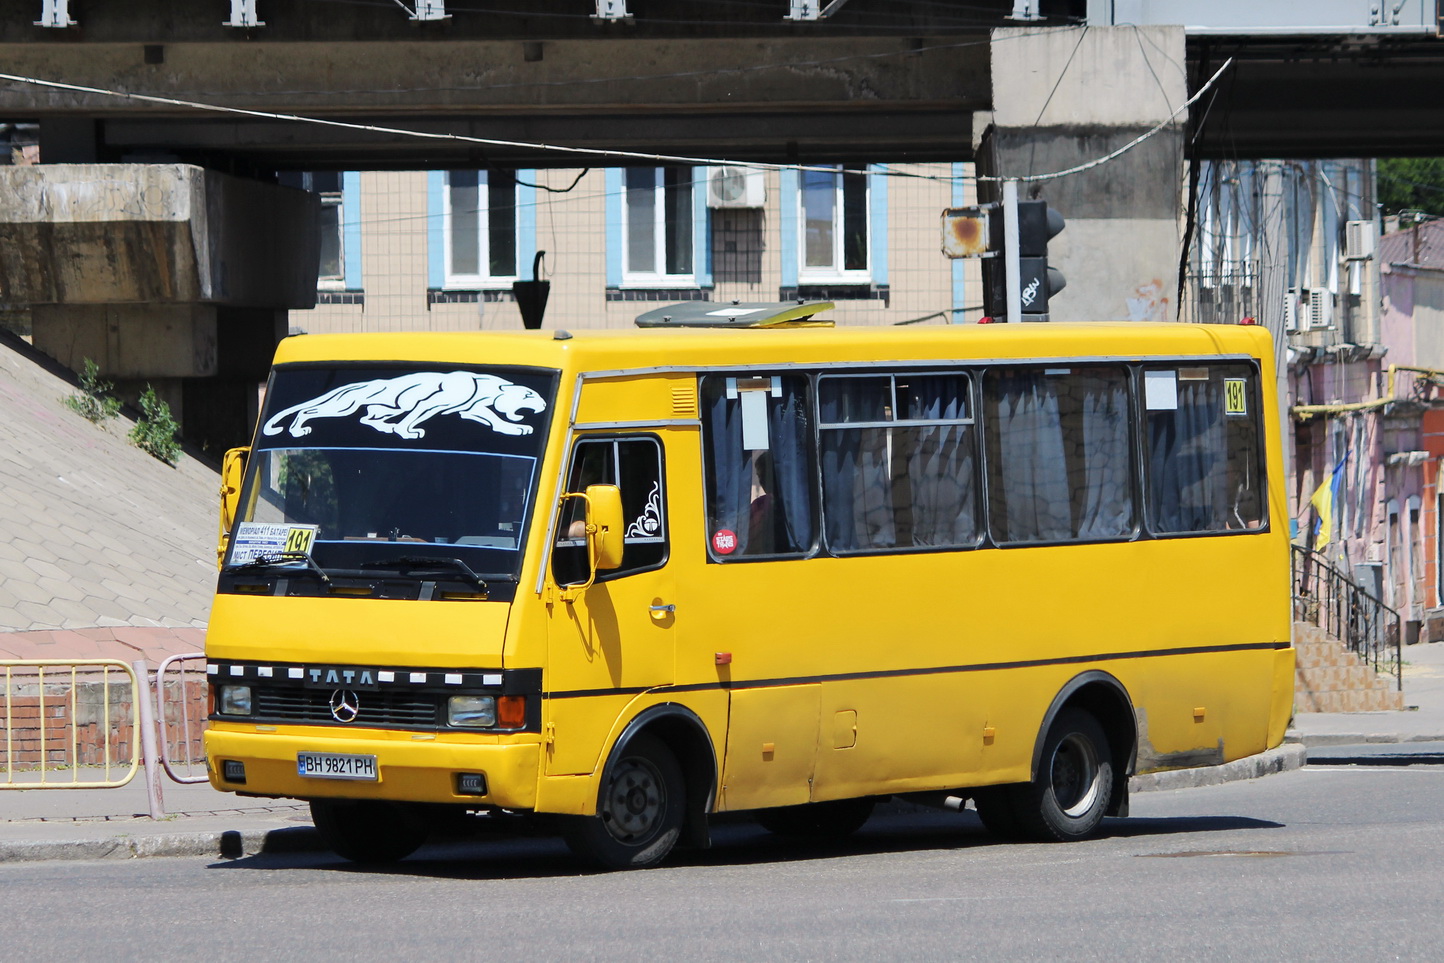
201	822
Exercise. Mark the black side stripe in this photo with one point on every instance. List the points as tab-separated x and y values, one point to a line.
935	670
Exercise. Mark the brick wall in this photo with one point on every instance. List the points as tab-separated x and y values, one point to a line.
57	724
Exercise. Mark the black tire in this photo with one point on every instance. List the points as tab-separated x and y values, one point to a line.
825	820
1070	793
640	809
369	831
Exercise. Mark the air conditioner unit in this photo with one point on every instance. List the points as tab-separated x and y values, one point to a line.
1321	307
1292	311
735	187
1360	239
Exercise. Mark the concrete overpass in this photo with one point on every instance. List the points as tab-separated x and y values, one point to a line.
897	81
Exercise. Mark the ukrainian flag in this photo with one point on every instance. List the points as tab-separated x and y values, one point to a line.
1323	502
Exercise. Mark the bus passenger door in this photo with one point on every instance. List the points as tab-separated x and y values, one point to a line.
616	638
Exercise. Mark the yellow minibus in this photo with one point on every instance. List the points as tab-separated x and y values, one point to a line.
744	562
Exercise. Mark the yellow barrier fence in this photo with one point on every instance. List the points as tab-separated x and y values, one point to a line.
69	724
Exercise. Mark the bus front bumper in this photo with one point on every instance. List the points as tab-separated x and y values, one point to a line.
406	769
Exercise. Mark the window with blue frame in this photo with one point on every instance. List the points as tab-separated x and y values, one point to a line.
835	230
480	230
658	236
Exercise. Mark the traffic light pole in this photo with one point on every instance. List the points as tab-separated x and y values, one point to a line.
1012	267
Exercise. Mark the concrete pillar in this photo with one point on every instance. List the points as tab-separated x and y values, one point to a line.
164	274
1062	98
129	341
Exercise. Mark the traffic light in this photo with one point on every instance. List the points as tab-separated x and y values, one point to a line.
1037	282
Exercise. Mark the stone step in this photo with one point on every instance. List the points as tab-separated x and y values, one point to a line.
1336	677
1374	700
1332	653
1330	678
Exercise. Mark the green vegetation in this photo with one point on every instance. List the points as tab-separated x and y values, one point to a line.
1413	184
155	431
93	402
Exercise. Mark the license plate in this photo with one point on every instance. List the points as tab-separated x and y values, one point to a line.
335	765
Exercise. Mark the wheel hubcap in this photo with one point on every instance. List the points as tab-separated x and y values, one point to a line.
1075	772
635	801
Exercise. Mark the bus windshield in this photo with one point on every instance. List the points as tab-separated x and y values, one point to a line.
362	468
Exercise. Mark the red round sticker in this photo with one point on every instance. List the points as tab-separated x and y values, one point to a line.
724	542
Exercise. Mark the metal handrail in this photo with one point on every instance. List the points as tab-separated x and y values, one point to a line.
1335	603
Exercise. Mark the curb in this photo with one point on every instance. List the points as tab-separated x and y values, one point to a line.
1322	739
1290	755
228	844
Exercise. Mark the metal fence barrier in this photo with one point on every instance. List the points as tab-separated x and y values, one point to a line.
70	725
180	695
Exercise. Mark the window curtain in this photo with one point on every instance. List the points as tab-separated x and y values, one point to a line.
1186	447
791	436
1106	505
940	466
1029	474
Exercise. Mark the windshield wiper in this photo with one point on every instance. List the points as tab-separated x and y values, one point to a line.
408	564
283	558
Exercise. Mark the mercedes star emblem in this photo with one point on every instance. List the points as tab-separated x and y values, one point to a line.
345	705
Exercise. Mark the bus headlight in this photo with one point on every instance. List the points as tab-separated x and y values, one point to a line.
472	711
235	700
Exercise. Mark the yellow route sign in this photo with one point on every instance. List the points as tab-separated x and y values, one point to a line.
1235	396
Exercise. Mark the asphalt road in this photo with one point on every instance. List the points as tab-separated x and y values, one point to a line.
1325	863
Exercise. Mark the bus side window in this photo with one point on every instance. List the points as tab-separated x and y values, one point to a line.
634	465
758	465
898	461
1203	443
1059	453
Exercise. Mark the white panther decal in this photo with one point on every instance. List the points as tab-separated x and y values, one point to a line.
399	405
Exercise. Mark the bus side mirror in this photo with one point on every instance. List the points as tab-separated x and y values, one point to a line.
604	510
233	469
603	532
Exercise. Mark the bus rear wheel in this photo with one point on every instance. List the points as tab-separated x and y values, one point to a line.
824	820
640	809
369	831
1069	796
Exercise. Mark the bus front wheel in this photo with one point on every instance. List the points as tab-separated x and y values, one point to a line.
369	831
1070	793
640	809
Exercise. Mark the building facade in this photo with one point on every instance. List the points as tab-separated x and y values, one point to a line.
440	250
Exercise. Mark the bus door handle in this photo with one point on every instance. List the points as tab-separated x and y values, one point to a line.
661	612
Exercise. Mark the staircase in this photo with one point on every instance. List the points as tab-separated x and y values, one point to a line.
1330	678
1344	640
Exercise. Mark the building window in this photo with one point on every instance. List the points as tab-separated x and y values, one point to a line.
481	228
658	237
329	186
834	211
